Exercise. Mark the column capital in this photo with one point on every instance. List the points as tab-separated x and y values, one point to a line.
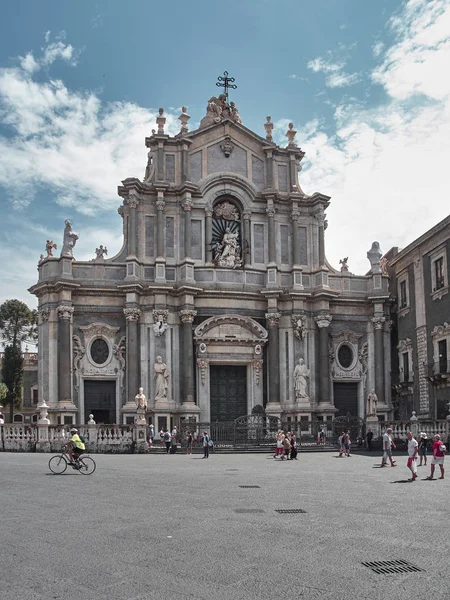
378	322
65	312
246	215
320	216
323	321
186	203
270	211
188	315
132	314
120	210
295	215
160	204
273	319
44	314
132	202
208	211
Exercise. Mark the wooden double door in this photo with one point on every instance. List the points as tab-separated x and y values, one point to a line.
228	392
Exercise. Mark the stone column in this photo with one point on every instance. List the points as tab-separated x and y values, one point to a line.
64	354
184	163
208	234
160	229
132	365
320	216
273	354
187	356
378	324
295	240
269	169
186	203
270	210
323	322
246	242
133	203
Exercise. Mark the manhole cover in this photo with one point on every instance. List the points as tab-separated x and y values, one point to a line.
232	469
390	567
248	510
253	487
290	511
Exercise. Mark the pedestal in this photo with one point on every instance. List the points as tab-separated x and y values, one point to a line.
374	424
140	438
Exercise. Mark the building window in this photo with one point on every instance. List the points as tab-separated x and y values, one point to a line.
18	419
405	362
442	350
403	295
439	273
439	276
345	356
35	396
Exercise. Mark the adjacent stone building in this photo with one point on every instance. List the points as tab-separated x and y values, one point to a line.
221	298
421	334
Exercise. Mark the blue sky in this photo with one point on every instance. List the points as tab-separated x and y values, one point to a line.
365	84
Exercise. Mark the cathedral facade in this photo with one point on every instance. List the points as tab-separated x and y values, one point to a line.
221	298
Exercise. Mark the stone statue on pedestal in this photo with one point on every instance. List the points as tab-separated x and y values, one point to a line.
141	404
372	401
70	239
301	375
161	376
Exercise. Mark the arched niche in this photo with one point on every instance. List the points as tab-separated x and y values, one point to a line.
227	233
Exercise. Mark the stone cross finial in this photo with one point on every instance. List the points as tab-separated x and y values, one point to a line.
290	134
268	127
184	118
161	121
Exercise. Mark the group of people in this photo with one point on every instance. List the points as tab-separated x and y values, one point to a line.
416	449
171	439
286	445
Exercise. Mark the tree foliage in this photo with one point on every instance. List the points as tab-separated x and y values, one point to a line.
12	375
18	323
3	391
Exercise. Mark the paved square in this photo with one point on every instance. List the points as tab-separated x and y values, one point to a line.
163	526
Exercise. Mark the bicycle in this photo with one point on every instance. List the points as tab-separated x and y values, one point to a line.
59	463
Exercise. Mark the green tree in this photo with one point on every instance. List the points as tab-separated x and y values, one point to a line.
18	324
12	375
3	392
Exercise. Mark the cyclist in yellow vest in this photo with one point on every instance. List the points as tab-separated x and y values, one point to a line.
76	446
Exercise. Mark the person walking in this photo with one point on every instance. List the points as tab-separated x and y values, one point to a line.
347	443
413	448
166	438
287	448
293	440
161	435
189	441
205	444
423	442
279	450
369	438
151	434
173	440
438	457
388	445
341	444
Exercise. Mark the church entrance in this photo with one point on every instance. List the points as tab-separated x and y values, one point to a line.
346	398
228	392
100	400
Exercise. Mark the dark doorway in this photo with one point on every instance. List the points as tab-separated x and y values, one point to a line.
346	398
100	400
228	392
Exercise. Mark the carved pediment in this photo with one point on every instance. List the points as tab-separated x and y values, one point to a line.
346	336
231	328
98	330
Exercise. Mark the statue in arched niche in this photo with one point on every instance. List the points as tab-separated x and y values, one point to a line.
226	243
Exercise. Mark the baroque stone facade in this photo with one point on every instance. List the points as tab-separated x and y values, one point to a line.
223	275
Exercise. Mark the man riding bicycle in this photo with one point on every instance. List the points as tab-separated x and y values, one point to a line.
76	446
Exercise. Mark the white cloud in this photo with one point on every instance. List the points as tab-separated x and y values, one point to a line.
377	48
342	79
321	65
386	167
298	78
335	76
67	141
